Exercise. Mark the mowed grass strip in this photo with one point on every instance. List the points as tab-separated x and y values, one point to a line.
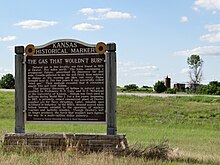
190	124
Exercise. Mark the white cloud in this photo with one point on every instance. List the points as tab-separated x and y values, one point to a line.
207	4
140	74
203	51
8	38
185	71
132	68
35	24
213	27
87	27
104	13
139	68
184	19
196	9
117	15
88	11
4	71
212	38
11	48
214	12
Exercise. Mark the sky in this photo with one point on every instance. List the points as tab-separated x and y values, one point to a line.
153	37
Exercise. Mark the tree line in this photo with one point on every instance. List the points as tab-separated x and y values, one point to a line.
213	88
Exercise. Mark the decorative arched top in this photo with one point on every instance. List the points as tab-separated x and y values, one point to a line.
65	40
65	46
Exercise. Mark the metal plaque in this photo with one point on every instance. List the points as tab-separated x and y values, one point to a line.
65	82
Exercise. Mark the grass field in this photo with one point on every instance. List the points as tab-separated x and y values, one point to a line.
190	125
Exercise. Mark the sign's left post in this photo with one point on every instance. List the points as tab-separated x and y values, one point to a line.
19	90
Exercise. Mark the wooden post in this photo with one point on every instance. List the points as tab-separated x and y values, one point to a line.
19	90
111	94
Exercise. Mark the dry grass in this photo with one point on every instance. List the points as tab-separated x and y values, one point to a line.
22	155
154	154
69	158
192	157
160	153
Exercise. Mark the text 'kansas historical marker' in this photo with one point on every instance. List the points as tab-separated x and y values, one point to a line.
65	82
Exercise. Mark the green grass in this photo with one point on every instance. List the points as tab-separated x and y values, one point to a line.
191	124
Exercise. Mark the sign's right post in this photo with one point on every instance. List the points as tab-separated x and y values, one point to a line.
111	94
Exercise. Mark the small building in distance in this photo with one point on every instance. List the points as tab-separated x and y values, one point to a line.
180	87
167	82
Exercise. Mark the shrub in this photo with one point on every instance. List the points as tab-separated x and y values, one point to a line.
130	87
214	83
213	88
171	91
7	81
159	87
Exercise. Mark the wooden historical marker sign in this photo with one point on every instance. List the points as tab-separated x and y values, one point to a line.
65	82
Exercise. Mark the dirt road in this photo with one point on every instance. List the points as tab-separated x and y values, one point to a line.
141	94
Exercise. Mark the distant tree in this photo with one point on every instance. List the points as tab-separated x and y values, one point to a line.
159	87
195	65
214	83
7	81
213	88
131	87
145	86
